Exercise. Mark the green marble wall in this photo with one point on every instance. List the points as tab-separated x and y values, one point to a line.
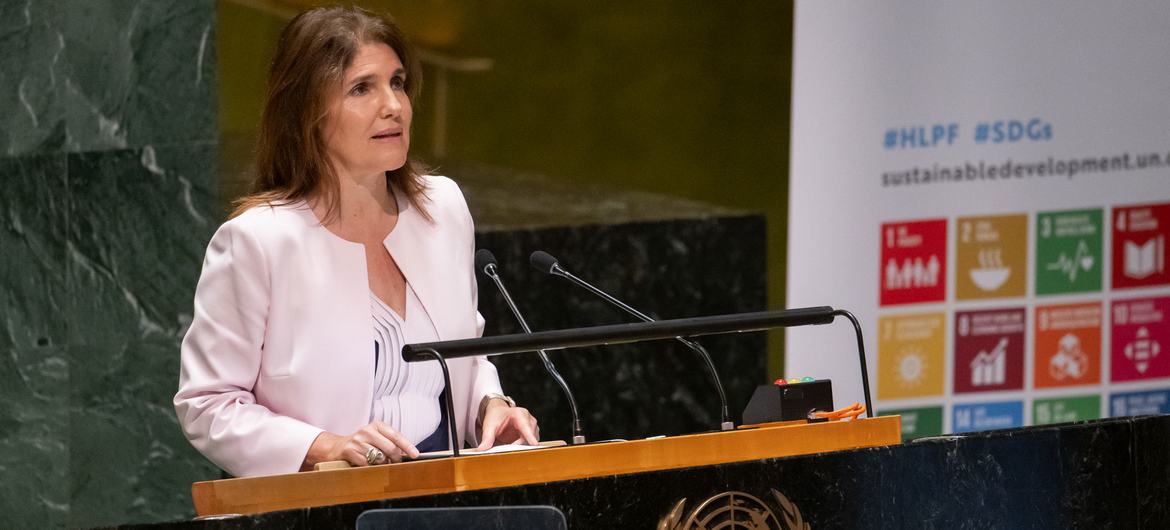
107	200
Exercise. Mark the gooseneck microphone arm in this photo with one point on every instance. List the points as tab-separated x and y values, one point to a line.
546	263
486	263
861	357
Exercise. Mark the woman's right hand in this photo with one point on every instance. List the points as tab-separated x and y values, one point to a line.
355	447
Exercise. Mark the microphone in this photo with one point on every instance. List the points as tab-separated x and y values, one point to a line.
546	263
485	262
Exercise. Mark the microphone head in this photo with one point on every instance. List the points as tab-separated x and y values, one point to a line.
483	258
542	261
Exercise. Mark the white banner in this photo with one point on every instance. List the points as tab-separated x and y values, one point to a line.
986	185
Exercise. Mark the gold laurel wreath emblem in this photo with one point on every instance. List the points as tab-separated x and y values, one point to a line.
735	509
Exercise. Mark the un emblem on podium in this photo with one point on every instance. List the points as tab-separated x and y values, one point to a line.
735	510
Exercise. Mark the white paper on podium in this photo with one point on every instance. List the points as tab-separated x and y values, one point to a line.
506	448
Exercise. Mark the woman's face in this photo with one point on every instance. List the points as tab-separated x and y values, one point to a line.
367	130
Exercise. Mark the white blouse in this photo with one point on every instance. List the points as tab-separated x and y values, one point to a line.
406	395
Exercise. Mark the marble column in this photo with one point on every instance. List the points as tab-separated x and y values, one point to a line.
107	165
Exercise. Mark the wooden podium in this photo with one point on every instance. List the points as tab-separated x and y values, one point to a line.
429	477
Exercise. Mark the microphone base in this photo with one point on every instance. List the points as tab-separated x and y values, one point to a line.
578	440
727	426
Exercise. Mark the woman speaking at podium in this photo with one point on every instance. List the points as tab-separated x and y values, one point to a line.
343	252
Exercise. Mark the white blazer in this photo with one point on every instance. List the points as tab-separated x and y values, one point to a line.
281	345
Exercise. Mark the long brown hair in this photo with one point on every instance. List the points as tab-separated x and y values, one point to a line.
313	52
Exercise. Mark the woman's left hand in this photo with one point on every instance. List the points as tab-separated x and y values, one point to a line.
507	425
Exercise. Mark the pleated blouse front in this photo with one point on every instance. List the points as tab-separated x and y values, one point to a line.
406	395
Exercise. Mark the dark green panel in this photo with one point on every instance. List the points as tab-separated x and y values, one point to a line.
130	460
33	206
139	226
34	453
91	75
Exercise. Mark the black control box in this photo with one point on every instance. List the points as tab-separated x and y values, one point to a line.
792	401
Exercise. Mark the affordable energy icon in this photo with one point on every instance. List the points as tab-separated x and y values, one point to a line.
911	355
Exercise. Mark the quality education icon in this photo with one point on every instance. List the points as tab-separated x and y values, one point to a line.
991	256
1139	245
911	355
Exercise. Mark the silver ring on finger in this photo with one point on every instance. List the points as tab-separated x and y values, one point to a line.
375	456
